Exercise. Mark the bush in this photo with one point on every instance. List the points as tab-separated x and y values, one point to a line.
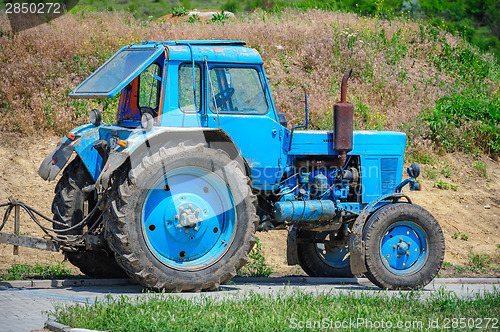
467	124
179	11
256	265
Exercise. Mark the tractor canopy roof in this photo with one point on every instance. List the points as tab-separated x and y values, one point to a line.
130	61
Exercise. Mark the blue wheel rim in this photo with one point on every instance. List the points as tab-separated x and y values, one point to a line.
403	248
336	257
189	218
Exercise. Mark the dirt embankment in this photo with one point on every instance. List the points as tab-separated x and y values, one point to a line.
472	211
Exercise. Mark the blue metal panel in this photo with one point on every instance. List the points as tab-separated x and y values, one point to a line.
389	169
211	53
370	178
365	142
86	136
198	42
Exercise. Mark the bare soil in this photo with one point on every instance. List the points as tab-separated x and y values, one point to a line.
473	209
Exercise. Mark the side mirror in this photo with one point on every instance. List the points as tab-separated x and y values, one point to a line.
413	170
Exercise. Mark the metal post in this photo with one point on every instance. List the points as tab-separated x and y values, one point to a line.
16	227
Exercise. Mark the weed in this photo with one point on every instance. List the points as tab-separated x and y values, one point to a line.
220	18
446	171
195	18
445	185
37	271
465	123
421	157
179	11
481	168
430	173
479	261
445	264
464	237
365	118
455	236
256	265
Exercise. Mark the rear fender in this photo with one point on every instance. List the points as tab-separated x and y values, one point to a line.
85	137
142	143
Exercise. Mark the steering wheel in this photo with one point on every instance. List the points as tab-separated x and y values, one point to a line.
223	96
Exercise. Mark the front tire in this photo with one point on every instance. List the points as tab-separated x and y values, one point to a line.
404	247
184	219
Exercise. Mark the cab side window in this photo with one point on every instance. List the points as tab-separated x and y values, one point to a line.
237	90
149	87
186	93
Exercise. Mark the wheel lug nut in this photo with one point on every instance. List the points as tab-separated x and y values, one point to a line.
399	255
195	228
186	231
400	239
190	205
407	253
409	243
200	220
181	208
197	210
394	247
179	226
176	216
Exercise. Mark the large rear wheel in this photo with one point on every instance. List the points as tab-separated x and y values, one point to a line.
184	219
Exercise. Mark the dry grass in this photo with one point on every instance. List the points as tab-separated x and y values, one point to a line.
395	76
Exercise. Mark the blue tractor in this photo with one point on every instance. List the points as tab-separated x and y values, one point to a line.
199	159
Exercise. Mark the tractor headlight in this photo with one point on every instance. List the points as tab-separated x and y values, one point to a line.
413	170
147	121
95	117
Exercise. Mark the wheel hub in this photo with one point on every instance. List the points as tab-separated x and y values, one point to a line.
403	247
188	216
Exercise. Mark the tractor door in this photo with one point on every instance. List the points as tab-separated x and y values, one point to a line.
239	101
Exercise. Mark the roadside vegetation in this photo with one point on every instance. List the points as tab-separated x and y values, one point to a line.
283	312
476	21
256	265
408	76
52	270
478	265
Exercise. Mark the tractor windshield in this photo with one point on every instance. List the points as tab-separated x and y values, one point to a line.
116	73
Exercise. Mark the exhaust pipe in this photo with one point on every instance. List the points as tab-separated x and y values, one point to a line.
343	114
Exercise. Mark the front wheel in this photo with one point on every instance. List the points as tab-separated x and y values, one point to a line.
183	220
404	247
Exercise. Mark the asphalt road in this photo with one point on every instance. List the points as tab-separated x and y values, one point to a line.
24	309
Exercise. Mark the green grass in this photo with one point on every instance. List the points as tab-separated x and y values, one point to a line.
38	271
479	261
481	168
281	312
445	185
